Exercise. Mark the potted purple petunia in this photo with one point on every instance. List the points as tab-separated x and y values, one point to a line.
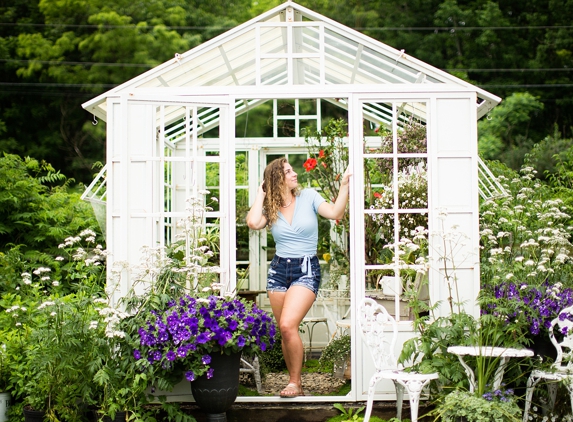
202	339
191	330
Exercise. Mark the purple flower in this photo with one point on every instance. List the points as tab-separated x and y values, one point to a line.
241	341
210	372
539	305
203	338
224	337
189	330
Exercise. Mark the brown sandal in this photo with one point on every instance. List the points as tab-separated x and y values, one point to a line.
292	390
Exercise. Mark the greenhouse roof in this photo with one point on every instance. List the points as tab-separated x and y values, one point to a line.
290	45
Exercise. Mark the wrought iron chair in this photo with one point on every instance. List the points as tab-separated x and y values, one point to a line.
379	332
562	368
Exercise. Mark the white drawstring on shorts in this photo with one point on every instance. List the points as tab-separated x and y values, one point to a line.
306	267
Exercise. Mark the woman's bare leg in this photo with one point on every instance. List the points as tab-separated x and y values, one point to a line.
289	309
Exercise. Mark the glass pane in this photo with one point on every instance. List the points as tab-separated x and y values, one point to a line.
241	169
308	107
381	116
397	291
412	183
286	107
306	71
306	39
307	126
273	40
412	137
274	72
255	122
286	128
242	207
212	171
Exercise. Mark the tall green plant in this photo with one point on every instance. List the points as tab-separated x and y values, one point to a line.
328	159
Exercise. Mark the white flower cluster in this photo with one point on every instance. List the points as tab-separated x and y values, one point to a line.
412	195
111	318
95	255
532	241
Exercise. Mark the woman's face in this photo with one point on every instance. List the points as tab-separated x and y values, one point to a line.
290	177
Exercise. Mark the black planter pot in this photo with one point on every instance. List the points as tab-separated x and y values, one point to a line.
216	395
33	415
542	346
119	417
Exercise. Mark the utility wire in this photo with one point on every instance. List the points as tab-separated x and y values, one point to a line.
365	28
104	64
57	62
103	85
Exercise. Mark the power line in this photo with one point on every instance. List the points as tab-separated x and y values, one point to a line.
567	69
365	28
56	62
104	85
56	84
463	28
146	65
527	86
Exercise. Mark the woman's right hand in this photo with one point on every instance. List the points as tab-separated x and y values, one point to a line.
255	218
262	190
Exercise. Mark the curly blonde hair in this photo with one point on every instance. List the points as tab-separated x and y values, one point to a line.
274	183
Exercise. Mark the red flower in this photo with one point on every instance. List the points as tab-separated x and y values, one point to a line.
377	195
323	164
310	164
321	153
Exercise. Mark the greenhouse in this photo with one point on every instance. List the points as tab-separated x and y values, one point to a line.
203	126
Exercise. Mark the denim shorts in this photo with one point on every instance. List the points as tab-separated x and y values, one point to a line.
286	272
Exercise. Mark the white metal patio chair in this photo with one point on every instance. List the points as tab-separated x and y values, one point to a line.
562	368
379	332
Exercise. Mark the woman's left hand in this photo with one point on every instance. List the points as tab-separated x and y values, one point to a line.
346	176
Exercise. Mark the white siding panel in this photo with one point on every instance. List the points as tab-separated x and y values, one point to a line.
139	193
465	290
454	130
114	129
455	183
452	236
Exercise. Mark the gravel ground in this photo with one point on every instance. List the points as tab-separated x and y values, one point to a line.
313	384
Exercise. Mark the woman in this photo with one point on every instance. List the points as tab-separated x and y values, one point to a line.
294	273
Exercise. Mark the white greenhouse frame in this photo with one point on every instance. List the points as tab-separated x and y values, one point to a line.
156	121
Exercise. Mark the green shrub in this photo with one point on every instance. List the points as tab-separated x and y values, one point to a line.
473	408
335	353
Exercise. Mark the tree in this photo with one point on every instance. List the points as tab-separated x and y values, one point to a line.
38	207
60	54
57	55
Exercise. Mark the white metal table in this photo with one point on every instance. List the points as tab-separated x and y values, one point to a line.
503	353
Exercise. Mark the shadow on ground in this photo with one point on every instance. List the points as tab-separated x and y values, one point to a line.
297	412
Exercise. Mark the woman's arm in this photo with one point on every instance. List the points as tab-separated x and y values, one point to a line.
255	218
336	211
